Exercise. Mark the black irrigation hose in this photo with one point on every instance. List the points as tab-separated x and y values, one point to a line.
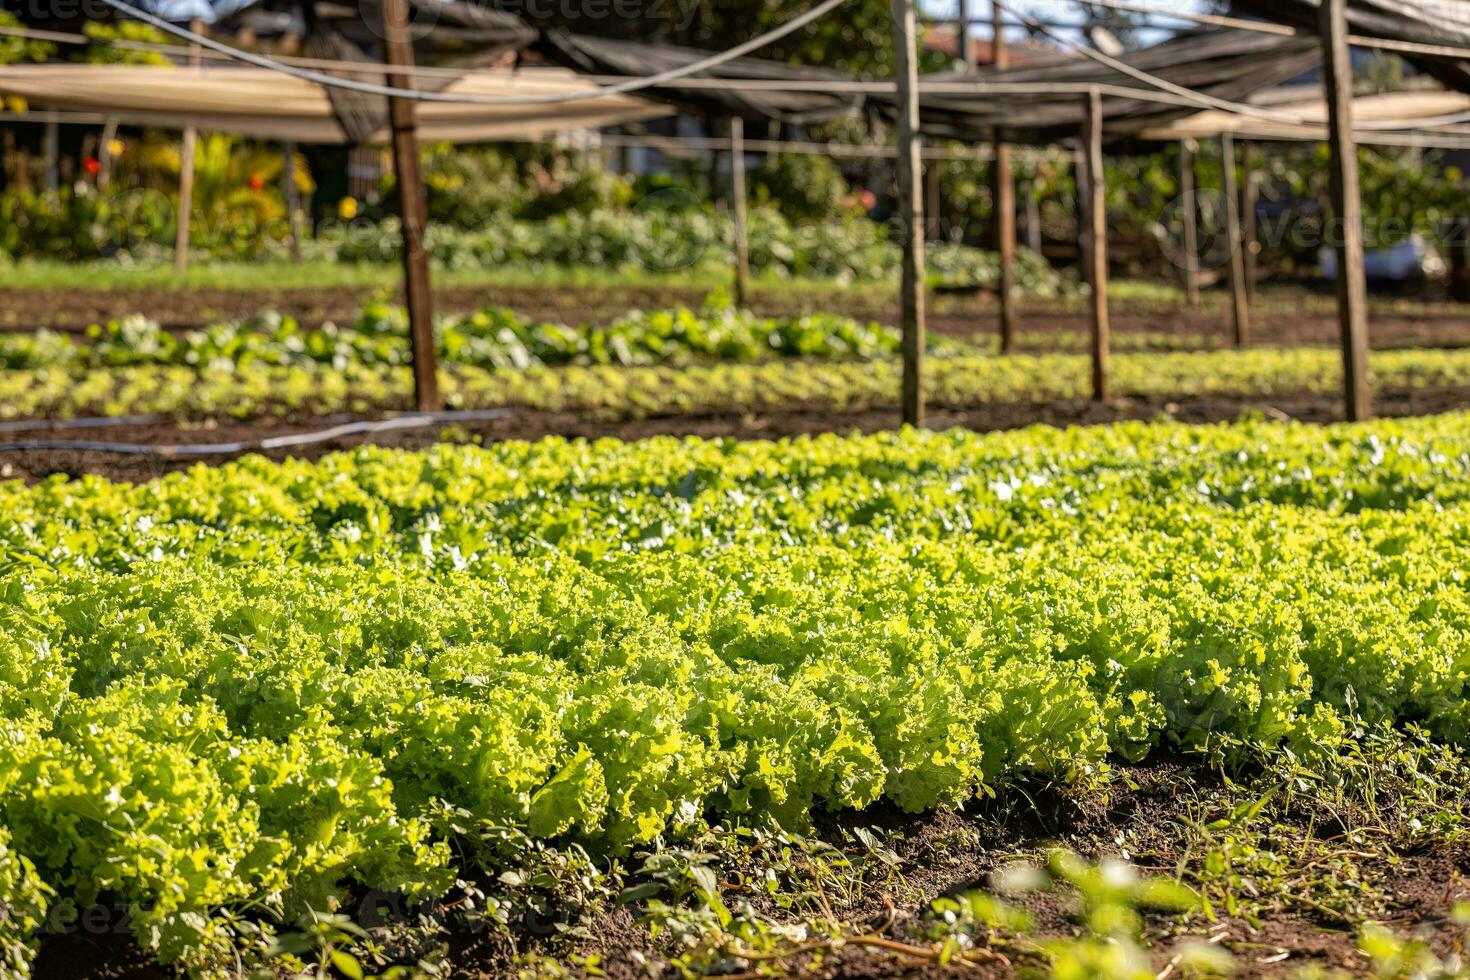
183	450
95	422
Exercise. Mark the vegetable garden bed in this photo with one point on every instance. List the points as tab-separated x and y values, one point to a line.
239	695
615	392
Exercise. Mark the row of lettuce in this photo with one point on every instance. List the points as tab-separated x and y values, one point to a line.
959	379
494	337
499	337
239	692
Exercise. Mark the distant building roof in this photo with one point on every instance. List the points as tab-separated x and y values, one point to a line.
944	40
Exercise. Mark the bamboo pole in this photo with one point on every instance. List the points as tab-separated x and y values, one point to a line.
1096	236
738	202
187	149
1003	195
1250	247
104	153
293	198
911	211
1352	285
933	224
51	156
1239	302
1033	219
186	198
1079	172
962	35
1189	216
413	208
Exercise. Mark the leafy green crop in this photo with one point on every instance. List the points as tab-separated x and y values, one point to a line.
492	338
251	687
251	386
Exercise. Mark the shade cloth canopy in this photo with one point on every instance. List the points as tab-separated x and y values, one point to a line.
1224	64
606	57
1438	22
268	105
1306	101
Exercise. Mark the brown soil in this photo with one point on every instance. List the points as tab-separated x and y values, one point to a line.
532	424
1290	318
949	853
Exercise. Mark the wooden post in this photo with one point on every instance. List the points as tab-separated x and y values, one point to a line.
1079	172
933	228
293	197
1239	303
737	200
51	156
1033	219
104	152
1250	247
1096	234
1352	285
962	35
1189	216
187	147
1003	195
910	211
186	198
11	165
1457	251
413	209
89	145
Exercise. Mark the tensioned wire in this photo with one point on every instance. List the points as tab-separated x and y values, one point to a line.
1186	95
551	98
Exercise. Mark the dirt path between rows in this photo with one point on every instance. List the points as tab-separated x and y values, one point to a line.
529	424
1291	318
948	853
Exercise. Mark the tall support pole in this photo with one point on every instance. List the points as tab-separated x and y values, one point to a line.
51	153
413	208
1347	207
933	223
1239	303
737	199
104	152
962	35
1457	249
1079	172
293	197
10	162
186	198
1033	219
910	211
187	148
1003	195
1250	247
1095	221
1189	217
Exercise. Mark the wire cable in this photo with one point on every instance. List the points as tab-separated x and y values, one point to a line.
1199	98
182	450
1214	20
1204	100
1182	94
553	98
1286	30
